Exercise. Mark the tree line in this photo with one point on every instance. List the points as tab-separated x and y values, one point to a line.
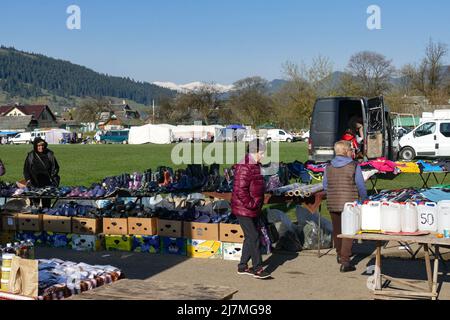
367	74
29	75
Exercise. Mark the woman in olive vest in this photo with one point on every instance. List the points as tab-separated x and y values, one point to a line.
343	181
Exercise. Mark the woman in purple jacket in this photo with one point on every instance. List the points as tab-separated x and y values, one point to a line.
246	204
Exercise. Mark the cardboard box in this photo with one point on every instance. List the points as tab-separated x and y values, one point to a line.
143	226
205	249
201	231
232	251
231	233
7	237
29	222
59	240
115	226
84	242
170	228
38	238
9	222
175	246
57	223
148	244
118	242
86	226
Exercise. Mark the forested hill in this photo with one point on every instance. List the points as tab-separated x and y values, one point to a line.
30	75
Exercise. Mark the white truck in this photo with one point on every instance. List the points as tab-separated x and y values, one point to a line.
279	135
430	139
27	137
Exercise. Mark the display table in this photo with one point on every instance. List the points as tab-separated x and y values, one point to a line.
312	204
424	176
416	291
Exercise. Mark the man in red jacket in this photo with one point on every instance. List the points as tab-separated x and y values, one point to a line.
246	204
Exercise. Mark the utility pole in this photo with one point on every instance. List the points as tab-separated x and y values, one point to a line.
153	107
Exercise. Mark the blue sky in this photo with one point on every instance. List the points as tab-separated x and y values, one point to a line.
219	41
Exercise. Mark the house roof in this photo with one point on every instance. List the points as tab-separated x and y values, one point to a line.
15	123
31	110
125	121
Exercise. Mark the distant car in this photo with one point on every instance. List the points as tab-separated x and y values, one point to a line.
115	136
305	136
27	137
279	135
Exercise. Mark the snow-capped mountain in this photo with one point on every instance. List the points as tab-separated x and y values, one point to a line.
193	86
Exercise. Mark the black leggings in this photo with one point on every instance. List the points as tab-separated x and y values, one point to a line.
251	247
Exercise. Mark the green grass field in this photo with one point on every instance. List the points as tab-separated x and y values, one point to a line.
86	164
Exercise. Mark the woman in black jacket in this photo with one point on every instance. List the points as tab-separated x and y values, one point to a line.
41	169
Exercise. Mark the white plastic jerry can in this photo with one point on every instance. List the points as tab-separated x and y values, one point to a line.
390	217
371	216
427	217
349	220
409	217
443	216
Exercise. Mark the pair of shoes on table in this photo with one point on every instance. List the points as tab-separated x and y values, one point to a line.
260	274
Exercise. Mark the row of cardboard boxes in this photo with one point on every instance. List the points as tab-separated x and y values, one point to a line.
123	226
208	249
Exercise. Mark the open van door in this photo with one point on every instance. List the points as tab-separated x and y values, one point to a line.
380	132
376	132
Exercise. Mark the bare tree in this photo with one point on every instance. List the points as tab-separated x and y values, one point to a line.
372	71
250	102
90	110
428	77
293	103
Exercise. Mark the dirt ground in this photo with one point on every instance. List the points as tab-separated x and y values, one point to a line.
302	276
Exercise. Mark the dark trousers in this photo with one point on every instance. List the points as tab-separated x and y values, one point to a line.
343	246
251	247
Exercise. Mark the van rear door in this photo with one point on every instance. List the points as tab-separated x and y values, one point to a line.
324	127
377	135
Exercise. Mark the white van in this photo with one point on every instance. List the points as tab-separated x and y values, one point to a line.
430	139
279	135
27	137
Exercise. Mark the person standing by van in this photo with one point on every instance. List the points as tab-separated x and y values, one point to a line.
246	204
343	182
41	169
2	168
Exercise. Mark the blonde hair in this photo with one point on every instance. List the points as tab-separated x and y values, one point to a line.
342	147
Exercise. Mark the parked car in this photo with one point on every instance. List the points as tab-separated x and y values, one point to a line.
27	137
330	120
279	135
305	136
431	139
115	136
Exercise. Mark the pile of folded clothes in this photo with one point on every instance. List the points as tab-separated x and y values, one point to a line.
60	279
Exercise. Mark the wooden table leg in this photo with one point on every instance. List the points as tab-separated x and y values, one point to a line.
378	266
435	271
428	266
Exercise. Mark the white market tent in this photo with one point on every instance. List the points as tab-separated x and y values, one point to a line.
192	132
54	136
150	134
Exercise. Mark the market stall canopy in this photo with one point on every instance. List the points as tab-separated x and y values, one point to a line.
236	127
150	134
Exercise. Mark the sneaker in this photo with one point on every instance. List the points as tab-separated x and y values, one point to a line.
247	271
262	274
347	268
